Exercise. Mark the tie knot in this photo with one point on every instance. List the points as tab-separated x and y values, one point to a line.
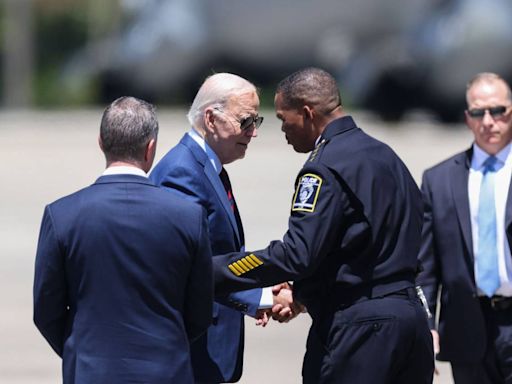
489	164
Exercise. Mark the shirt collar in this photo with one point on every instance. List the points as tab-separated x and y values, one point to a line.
124	170
212	156
479	156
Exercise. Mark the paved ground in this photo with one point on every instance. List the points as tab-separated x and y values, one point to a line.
45	155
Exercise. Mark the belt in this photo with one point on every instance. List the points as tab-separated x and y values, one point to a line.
497	303
405	293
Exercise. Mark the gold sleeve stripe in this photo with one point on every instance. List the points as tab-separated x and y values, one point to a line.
250	261
246	263
239	270
255	259
241	265
233	269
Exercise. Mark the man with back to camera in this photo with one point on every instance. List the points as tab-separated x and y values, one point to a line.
224	119
351	245
465	252
123	271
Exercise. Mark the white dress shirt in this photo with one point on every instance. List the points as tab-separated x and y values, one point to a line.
267	298
501	188
124	170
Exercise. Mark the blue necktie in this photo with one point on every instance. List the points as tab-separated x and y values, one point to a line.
487	257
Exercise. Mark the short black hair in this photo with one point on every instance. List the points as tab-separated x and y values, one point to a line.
312	86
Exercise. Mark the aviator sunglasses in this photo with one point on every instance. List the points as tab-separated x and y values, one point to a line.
495	112
247	122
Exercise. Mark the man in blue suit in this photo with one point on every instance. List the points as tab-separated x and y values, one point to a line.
466	241
224	118
123	270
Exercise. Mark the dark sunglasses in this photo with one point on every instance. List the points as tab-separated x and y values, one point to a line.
478	113
249	121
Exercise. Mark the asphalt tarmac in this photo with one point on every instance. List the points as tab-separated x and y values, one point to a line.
45	155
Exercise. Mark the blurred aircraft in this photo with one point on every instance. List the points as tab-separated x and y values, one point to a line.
390	56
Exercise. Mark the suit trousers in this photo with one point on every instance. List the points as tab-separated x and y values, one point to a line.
378	341
496	366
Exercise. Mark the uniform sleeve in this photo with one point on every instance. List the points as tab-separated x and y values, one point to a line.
50	288
317	211
199	292
428	277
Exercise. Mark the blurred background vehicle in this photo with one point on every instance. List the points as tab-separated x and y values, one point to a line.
390	56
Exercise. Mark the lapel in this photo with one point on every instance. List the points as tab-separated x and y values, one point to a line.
214	179
459	173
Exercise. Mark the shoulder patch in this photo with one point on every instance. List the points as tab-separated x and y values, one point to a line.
307	192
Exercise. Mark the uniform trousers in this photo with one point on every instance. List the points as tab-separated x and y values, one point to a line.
378	341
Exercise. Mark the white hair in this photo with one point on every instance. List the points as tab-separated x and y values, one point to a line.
216	90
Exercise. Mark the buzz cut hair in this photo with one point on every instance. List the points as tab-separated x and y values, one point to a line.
310	86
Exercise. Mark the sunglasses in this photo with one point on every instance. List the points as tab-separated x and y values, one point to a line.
247	122
478	113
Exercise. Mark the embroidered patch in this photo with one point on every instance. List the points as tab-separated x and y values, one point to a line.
244	264
307	192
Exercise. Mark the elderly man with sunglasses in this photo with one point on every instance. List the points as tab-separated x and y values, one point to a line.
224	119
467	236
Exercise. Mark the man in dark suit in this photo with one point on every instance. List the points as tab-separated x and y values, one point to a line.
123	270
465	254
224	118
351	245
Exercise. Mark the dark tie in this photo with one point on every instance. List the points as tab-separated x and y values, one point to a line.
227	186
487	257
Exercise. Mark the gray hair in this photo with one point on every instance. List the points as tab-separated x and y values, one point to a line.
312	86
127	126
215	91
487	77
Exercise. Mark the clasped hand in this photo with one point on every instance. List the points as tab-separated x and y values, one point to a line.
284	307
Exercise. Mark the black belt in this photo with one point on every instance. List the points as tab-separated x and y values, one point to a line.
497	303
406	293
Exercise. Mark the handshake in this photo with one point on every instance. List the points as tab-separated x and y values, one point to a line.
284	307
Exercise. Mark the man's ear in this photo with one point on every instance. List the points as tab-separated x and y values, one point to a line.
150	151
309	113
100	143
209	119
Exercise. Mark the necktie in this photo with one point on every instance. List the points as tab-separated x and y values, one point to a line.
487	256
227	186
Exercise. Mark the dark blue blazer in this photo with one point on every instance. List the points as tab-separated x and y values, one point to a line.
186	171
448	261
123	282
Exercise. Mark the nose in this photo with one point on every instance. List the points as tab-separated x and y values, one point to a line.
252	131
487	120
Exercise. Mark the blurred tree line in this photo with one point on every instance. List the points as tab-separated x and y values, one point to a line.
37	37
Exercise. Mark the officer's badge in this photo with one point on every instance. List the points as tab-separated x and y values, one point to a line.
307	192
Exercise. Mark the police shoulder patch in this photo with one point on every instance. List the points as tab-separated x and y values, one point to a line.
306	195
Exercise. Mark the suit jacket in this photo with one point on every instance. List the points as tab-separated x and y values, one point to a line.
186	171
123	282
447	259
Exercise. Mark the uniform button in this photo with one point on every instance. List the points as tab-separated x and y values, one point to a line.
376	326
215	321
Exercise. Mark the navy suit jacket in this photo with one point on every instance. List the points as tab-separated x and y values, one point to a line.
123	282
447	259
186	171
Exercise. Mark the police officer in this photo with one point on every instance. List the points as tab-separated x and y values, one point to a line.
351	246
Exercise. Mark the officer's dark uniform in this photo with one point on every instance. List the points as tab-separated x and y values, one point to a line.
351	247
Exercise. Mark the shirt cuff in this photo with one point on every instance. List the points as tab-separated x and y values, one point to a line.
267	298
